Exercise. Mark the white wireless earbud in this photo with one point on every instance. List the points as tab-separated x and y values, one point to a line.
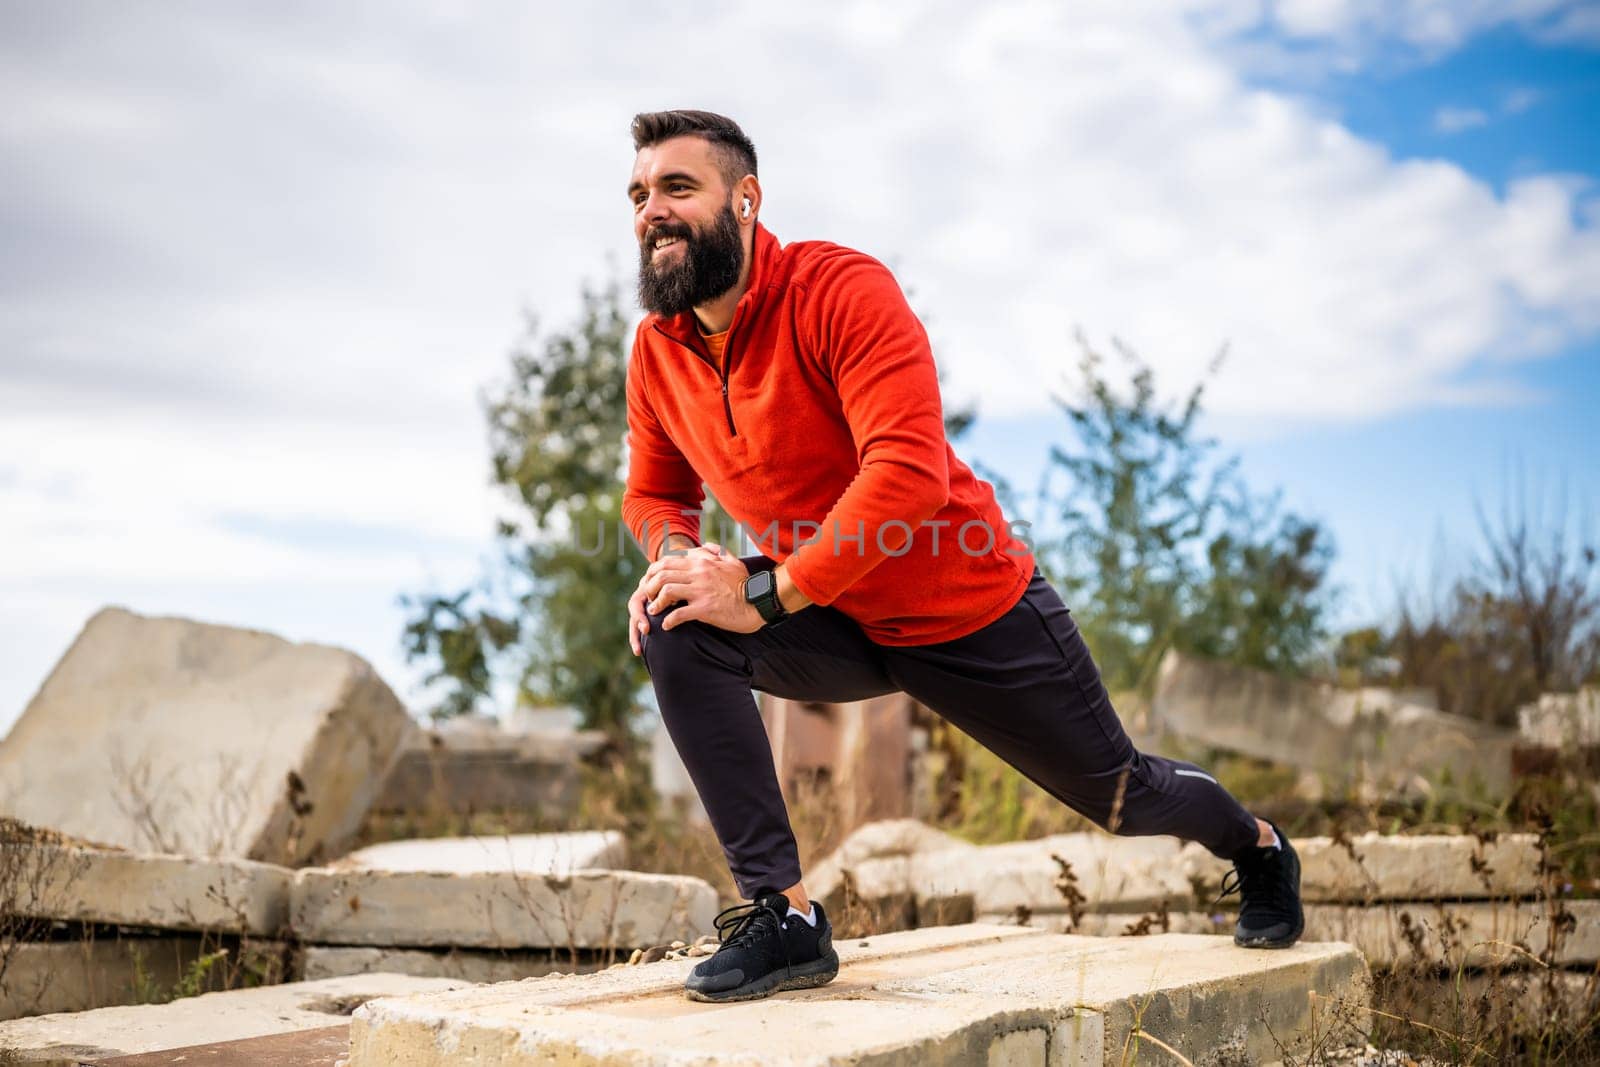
747	207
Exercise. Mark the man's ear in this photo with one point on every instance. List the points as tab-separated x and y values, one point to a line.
747	192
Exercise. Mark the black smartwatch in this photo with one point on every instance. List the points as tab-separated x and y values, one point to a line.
761	590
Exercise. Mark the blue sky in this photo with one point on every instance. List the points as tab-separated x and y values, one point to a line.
1400	494
261	261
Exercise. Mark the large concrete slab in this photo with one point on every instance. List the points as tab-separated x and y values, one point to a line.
90	885
173	736
956	995
526	853
584	910
1513	935
1380	867
1472	934
230	1016
468	965
1319	728
901	877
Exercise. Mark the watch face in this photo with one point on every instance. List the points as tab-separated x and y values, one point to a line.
760	584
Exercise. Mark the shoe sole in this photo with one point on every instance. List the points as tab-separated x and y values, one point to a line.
806	976
1282	942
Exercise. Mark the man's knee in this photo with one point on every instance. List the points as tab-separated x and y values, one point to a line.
670	652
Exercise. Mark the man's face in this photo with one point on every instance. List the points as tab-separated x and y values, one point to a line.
690	247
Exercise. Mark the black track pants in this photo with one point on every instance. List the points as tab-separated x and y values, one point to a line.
1024	686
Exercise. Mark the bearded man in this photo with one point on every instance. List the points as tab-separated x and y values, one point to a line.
795	382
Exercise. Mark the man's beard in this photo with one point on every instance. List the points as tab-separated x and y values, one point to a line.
708	266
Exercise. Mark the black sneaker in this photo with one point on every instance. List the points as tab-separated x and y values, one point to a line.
1268	883
764	949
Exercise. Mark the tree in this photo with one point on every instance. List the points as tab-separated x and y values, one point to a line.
1156	545
1522	619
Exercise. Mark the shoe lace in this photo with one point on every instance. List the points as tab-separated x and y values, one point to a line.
747	924
1257	887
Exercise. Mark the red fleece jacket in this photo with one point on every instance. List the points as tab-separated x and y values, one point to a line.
821	434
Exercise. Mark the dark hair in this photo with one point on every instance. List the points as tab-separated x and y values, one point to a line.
735	153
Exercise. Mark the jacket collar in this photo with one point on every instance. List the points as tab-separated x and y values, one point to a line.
763	276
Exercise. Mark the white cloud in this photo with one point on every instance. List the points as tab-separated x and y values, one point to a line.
259	267
1456	119
1519	100
1433	26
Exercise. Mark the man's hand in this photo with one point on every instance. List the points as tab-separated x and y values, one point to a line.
707	583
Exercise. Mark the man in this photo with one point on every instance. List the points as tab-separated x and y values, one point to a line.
795	382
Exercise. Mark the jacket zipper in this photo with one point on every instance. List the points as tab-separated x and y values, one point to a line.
722	372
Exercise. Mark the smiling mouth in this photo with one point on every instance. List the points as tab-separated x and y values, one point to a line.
662	243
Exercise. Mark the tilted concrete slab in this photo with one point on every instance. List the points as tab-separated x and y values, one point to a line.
202	740
955	995
584	910
469	965
143	889
1319	728
527	853
230	1016
1376	867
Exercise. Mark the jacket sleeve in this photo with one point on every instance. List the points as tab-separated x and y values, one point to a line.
661	485
879	359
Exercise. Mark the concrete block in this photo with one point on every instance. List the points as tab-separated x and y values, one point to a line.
1471	934
202	740
91	885
958	995
945	882
40	977
586	909
1562	720
1319	728
331	961
1118	924
1378	867
877	857
474	764
229	1016
1101	872
860	750
525	853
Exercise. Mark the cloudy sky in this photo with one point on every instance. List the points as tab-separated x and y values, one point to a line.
260	259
